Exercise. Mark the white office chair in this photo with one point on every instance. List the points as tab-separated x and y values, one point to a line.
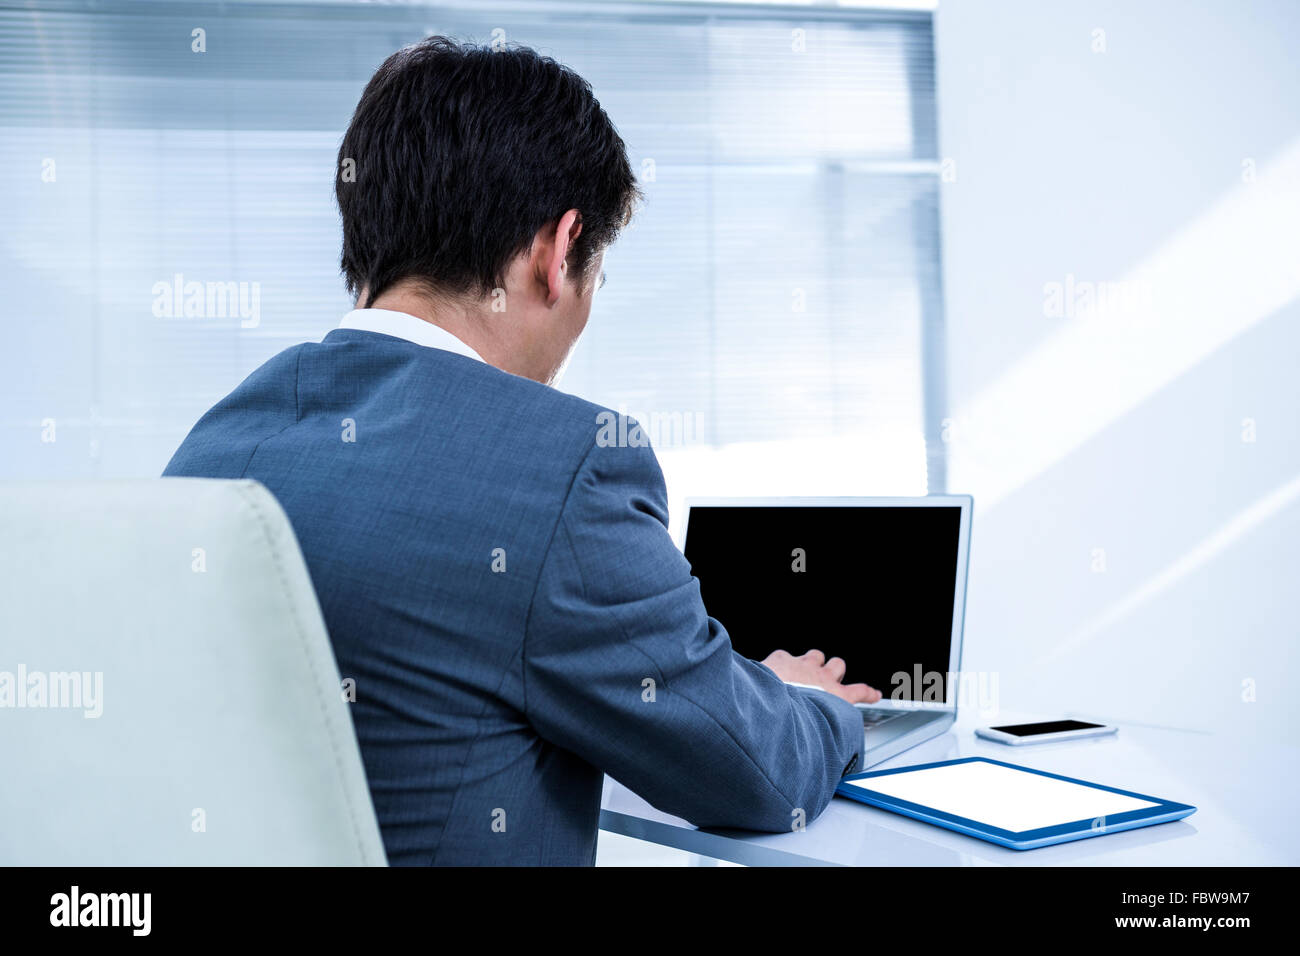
185	610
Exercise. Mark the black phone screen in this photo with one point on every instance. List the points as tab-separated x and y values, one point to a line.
1046	727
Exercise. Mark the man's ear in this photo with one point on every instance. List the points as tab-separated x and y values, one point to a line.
555	250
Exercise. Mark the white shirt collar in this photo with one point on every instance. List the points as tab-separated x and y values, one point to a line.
403	326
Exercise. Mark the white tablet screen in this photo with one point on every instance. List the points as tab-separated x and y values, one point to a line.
1002	797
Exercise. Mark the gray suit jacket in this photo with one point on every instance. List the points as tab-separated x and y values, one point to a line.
501	586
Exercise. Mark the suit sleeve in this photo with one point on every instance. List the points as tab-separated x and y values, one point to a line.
623	667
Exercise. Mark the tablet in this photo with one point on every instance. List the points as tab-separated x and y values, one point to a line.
1003	803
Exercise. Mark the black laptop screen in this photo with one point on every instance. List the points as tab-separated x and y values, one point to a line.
873	585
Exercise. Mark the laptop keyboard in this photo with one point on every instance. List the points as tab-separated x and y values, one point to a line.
874	718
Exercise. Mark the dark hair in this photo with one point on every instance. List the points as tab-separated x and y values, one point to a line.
460	154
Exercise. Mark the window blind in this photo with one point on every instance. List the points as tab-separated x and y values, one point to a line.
774	315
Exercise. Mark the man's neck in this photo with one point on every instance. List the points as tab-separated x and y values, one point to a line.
456	318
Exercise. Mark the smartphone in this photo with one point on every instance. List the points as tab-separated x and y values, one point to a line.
1046	731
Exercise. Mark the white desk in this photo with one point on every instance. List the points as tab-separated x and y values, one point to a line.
1244	807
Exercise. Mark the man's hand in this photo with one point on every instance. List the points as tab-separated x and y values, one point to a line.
813	668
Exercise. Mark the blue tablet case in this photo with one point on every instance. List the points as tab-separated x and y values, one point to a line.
1163	812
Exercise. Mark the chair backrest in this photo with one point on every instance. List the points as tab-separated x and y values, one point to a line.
168	694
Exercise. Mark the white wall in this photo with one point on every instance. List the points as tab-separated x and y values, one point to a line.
1123	431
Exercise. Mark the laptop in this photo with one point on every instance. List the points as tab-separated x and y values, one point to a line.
880	582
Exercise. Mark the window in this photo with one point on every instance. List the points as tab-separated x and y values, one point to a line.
773	316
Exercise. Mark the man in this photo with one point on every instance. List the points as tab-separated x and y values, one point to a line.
499	582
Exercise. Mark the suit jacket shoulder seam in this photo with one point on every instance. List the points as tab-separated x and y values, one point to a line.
541	570
297	416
